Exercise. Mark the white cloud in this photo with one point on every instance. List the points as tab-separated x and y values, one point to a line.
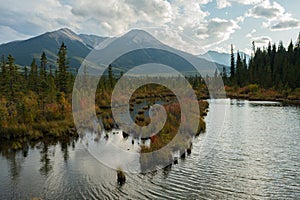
248	2
267	10
188	15
286	25
32	17
227	3
115	17
176	38
276	16
216	31
262	40
250	35
35	16
223	4
248	51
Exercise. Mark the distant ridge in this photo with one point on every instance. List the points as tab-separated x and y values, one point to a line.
221	58
80	45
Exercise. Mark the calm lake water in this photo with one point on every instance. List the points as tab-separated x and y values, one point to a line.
256	156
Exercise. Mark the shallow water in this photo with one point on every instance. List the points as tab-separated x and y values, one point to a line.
255	156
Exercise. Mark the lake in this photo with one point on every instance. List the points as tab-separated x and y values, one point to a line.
255	156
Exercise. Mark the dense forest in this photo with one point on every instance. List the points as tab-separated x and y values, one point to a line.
33	97
272	68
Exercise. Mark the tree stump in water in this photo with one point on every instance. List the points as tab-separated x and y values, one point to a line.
182	154
175	160
121	178
189	149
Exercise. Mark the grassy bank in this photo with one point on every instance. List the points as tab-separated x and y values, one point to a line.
255	92
18	134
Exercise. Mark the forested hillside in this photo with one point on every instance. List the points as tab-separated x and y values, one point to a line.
274	68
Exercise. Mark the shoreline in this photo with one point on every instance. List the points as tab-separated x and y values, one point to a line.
280	99
254	92
21	133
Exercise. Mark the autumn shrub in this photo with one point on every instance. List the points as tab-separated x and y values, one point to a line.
253	87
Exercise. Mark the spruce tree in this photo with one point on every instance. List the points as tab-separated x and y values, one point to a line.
12	86
232	66
33	77
224	75
239	70
44	61
62	68
3	75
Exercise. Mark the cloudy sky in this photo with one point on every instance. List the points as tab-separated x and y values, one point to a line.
192	25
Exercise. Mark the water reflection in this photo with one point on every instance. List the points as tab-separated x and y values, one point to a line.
45	160
256	157
46	148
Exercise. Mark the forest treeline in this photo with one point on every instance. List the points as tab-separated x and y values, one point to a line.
273	67
33	96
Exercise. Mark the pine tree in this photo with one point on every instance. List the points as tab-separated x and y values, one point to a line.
51	86
273	54
216	74
44	61
224	75
253	49
26	73
62	68
3	75
25	77
33	77
239	70
12	86
232	65
3	65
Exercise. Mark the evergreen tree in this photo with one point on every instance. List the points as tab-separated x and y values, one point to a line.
12	86
3	66
239	70
26	74
216	74
62	68
33	77
44	61
232	65
224	75
3	75
273	54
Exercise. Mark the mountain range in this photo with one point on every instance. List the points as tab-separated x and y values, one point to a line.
221	58
80	45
